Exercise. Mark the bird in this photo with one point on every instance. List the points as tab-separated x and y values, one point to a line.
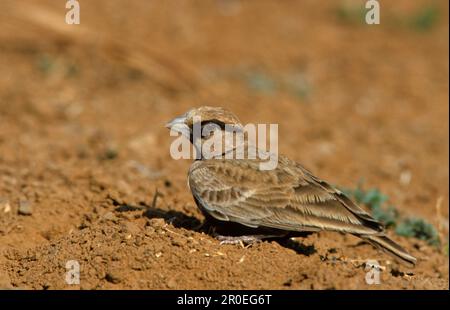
287	199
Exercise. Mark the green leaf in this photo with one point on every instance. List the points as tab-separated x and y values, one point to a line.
418	228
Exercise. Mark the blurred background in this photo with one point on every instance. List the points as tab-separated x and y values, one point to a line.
83	107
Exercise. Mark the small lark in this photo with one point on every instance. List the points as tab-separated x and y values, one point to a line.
286	199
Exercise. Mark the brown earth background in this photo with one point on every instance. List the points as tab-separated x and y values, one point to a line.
83	146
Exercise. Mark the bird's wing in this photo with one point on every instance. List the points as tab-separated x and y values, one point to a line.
288	197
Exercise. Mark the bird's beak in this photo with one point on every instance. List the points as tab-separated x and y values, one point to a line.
178	124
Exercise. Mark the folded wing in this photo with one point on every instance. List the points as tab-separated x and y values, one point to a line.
288	197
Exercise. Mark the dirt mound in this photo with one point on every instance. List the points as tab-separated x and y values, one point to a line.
117	250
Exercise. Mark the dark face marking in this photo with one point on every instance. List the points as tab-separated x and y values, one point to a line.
204	124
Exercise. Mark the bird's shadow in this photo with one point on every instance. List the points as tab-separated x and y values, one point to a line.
213	227
176	218
298	247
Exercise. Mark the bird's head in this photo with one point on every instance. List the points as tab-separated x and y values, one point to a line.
208	126
203	117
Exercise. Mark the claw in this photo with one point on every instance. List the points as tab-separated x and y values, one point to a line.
242	240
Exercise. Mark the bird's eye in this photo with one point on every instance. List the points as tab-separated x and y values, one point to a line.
208	129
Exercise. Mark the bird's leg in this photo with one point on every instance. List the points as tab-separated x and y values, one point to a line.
207	226
200	226
247	239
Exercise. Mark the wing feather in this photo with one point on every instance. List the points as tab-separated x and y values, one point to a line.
288	198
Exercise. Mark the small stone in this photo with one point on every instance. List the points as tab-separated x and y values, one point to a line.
149	231
157	222
109	153
115	257
112	277
132	228
167	183
177	241
109	216
171	284
405	177
5	207
25	207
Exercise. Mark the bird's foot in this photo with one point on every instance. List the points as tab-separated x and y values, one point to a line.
242	240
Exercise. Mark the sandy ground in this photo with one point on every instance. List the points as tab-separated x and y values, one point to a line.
83	146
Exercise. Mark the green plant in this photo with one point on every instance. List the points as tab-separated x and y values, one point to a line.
351	14
388	216
72	70
45	63
261	82
375	201
418	228
425	18
297	85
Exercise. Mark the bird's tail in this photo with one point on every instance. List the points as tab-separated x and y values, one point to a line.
392	248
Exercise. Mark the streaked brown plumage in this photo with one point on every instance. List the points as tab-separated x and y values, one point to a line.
288	198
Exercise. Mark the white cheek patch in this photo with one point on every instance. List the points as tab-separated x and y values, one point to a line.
180	148
212	146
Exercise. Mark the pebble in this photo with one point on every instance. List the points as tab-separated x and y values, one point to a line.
405	177
178	241
112	277
5	207
149	231
157	222
25	207
171	284
109	216
132	228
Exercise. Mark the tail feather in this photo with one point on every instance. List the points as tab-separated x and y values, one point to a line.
392	248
